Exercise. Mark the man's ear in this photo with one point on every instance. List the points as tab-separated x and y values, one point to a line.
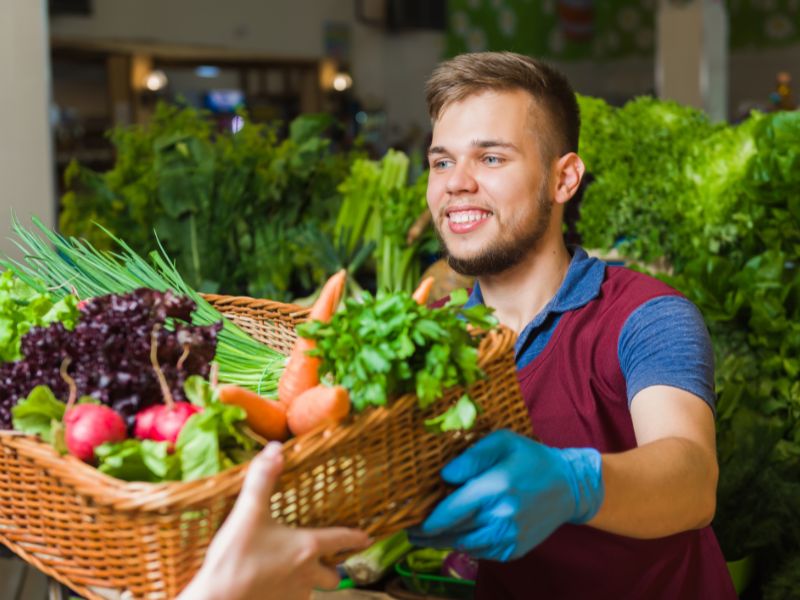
567	173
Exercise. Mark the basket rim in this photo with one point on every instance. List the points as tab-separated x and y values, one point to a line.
292	310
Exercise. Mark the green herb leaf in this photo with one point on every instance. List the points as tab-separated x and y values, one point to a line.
386	345
459	417
458	297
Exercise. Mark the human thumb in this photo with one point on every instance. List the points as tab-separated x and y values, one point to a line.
262	475
482	456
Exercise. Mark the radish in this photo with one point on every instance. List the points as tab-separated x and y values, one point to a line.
163	422
90	425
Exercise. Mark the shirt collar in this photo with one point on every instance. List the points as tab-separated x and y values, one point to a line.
581	285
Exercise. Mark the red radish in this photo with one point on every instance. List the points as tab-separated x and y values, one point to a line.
163	423
90	425
143	424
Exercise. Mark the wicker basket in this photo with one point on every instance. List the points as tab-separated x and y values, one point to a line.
107	538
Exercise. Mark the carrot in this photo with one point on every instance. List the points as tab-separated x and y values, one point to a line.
264	416
302	371
423	290
318	405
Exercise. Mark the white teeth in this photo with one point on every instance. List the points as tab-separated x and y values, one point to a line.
467	216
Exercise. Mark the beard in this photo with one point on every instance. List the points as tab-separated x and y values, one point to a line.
507	251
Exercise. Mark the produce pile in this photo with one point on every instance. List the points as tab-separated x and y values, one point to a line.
130	380
108	353
61	267
120	381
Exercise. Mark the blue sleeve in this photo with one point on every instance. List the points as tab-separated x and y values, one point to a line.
665	342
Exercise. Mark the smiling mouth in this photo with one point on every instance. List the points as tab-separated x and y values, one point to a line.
467	216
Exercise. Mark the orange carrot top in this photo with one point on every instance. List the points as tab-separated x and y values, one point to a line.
302	371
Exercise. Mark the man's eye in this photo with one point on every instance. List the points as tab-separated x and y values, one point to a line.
441	163
493	160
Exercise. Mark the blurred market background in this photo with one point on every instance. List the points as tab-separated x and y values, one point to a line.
266	144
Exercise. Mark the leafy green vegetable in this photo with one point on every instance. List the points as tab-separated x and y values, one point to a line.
23	307
138	460
379	207
36	414
387	344
637	155
370	565
199	391
427	560
206	438
459	417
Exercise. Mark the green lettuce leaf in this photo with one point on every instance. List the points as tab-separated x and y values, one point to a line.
37	413
207	439
138	460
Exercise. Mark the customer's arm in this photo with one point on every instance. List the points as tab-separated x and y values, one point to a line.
253	557
668	483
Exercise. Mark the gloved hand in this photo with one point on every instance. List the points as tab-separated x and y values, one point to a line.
514	493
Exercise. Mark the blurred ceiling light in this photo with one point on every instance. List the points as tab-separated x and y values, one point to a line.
342	81
207	71
156	80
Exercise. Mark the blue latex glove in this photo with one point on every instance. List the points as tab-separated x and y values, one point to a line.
514	493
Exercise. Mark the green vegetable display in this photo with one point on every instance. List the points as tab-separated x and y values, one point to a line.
379	207
227	206
720	203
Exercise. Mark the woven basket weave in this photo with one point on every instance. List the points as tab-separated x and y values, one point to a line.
106	538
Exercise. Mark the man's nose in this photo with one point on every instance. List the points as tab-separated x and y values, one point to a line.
461	179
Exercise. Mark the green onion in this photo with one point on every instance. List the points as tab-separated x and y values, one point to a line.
75	266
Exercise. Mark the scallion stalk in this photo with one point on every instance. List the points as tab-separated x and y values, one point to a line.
68	265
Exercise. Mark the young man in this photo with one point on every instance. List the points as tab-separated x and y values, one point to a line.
615	367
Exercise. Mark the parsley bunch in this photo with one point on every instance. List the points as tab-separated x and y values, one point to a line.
386	345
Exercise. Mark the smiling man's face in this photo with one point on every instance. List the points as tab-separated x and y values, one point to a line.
488	189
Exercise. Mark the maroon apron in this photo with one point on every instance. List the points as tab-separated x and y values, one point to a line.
576	397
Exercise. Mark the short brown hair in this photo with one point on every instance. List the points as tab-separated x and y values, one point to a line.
469	74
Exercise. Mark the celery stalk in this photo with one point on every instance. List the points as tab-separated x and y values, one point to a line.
370	565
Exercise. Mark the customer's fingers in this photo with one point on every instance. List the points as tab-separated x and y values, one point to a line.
262	475
325	577
338	539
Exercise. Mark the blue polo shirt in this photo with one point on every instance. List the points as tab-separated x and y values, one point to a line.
663	342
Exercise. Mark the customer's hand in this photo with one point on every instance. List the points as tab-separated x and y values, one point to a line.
253	557
514	493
